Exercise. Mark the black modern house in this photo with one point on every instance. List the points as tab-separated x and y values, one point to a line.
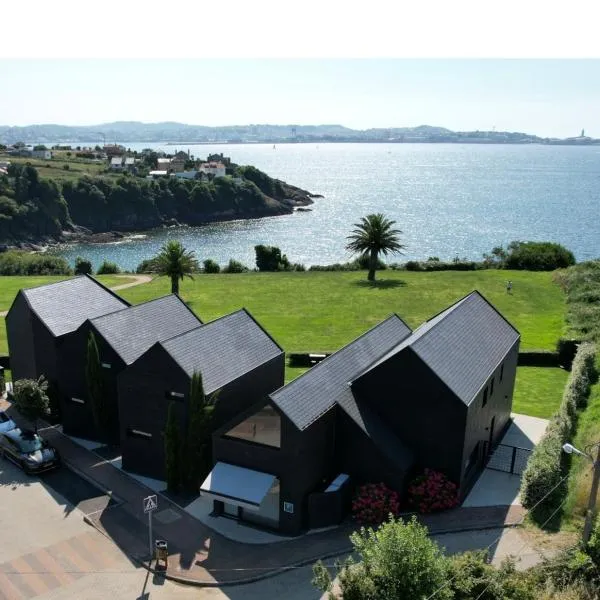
41	319
239	362
380	409
121	336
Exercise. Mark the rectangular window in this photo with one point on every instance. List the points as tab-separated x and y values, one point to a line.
106	365
485	396
78	400
288	507
492	387
138	433
176	395
501	372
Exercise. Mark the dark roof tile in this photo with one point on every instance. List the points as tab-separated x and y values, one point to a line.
65	305
131	331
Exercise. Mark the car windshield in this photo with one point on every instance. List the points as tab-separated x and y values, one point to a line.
30	444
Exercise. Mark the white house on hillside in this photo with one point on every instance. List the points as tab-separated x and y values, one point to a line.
213	168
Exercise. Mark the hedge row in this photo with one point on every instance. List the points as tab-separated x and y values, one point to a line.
548	463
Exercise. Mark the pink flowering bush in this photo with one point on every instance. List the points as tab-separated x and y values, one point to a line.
432	491
373	503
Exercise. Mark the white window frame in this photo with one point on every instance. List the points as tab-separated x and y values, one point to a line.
77	400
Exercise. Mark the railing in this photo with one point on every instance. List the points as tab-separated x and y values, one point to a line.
510	459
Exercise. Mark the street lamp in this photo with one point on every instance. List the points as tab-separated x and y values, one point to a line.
591	510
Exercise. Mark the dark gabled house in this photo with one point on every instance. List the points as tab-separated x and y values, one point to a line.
41	319
122	336
380	409
239	362
447	390
303	436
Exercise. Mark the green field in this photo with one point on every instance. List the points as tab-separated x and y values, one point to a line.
538	391
317	311
54	167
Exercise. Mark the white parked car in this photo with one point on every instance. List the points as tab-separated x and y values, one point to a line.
6	423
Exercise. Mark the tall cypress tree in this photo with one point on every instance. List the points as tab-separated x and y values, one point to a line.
172	450
198	452
95	387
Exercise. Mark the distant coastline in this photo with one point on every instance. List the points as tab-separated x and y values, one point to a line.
166	133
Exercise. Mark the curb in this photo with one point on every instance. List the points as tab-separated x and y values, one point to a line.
93	482
278	570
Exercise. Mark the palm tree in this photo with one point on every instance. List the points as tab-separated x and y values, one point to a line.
374	235
176	262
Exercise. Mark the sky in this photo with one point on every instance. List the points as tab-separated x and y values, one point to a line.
543	97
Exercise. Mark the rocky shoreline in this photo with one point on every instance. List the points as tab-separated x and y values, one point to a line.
78	234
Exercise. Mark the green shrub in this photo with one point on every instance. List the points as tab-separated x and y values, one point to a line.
19	262
83	266
397	560
537	256
234	266
66	167
548	464
437	265
210	266
108	268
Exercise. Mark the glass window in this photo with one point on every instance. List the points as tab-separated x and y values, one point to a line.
263	427
473	457
485	396
492	387
501	372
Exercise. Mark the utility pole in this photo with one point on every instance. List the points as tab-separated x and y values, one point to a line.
591	511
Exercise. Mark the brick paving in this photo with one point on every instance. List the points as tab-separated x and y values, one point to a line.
199	555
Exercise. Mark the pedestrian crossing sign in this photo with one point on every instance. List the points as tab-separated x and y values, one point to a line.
150	503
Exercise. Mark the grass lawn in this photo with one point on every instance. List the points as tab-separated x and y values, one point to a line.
316	311
538	391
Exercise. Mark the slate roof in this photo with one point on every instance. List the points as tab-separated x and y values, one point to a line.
223	350
131	331
315	392
65	305
462	345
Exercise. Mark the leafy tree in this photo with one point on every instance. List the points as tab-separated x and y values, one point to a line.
538	256
173	450
176	262
95	387
83	266
269	258
374	235
31	399
197	451
398	560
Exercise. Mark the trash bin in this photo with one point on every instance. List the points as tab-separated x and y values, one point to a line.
161	551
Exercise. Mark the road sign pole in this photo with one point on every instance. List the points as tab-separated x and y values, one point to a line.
150	533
